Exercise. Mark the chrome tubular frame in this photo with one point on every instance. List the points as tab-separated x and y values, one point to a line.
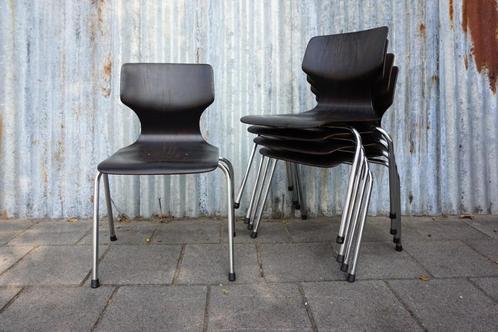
260	186
246	175
95	233
227	169
300	192
265	188
247	218
223	164
364	209
112	232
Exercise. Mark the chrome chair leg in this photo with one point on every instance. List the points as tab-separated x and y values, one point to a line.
257	198
112	232
246	175
354	221
350	204
364	209
295	193
95	233
290	181
355	168
265	188
300	192
397	236
247	218
226	167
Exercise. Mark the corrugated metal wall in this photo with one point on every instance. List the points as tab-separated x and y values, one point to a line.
60	112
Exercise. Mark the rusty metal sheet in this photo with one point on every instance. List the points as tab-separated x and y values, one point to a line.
60	112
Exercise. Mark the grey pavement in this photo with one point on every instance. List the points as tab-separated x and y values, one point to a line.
172	276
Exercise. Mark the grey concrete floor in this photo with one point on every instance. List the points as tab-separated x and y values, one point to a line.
173	277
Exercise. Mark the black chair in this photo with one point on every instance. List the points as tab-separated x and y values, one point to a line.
168	100
351	77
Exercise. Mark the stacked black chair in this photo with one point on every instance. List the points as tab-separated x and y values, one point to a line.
353	79
169	100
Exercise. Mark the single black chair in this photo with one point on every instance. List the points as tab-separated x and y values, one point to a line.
169	100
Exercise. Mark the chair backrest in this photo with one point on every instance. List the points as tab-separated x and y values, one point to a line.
344	69
346	56
167	96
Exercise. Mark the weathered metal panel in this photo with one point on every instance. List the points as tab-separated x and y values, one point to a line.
60	112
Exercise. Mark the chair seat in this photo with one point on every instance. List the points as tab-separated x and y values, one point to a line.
162	158
311	119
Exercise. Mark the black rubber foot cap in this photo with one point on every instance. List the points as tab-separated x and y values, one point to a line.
231	276
234	234
304	216
351	277
392	215
340	259
246	220
393	231
290	188
113	238
250	227
254	235
95	283
297	206
398	247
396	240
339	239
236	205
344	267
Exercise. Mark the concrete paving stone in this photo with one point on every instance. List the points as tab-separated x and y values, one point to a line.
52	233
486	247
358	306
198	231
488	285
55	309
257	307
381	261
447	230
487	224
139	264
448	304
300	262
6	294
10	255
155	308
269	232
321	230
126	234
451	259
51	265
11	228
208	264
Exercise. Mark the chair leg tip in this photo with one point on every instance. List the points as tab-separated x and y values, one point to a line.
351	277
296	205
113	238
254	235
234	234
392	215
304	216
250	227
247	220
344	267
340	259
393	231
339	240
95	283
398	247
290	188
231	276
236	205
